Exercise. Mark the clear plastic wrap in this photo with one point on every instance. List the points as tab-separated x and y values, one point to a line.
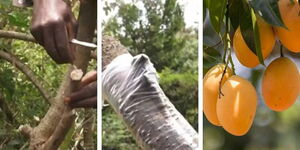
131	86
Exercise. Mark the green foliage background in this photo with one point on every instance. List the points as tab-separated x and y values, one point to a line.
158	30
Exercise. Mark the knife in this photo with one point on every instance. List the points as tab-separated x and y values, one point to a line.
85	44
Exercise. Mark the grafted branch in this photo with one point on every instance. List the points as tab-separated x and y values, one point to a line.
131	87
38	83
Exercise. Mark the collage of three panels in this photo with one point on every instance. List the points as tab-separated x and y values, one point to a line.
149	74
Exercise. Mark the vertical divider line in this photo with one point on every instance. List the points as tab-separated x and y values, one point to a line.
99	73
200	75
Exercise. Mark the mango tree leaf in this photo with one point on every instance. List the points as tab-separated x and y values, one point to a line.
205	4
269	11
257	38
17	21
211	57
235	7
217	12
246	26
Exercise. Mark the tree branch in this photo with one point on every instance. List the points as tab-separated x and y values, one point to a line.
16	35
28	72
111	49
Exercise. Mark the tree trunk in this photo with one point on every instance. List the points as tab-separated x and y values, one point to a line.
130	85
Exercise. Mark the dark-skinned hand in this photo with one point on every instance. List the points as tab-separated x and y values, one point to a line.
86	96
53	25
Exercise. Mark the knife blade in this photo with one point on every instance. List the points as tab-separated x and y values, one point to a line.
85	44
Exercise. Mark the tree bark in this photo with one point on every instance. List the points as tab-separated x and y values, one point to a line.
51	131
130	85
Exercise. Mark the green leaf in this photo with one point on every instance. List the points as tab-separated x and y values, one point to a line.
246	27
269	11
211	53
211	57
205	7
257	38
17	21
217	12
235	7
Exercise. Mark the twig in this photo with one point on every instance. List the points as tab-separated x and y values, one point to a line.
226	33
281	52
24	146
226	39
231	62
220	83
17	35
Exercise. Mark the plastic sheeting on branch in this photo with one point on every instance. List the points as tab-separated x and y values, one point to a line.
130	85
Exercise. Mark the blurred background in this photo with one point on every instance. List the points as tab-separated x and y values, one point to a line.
166	31
270	130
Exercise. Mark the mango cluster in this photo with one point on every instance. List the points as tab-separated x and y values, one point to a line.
230	101
234	105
